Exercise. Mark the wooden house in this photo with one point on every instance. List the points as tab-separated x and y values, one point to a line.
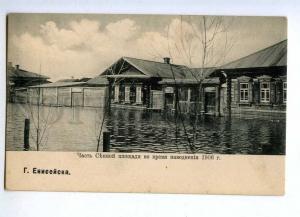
155	85
255	84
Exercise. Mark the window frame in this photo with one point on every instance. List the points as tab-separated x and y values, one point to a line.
265	91
243	91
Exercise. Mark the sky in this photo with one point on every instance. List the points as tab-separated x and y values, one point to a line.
63	46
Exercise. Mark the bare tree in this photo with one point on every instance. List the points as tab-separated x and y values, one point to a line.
199	41
113	70
42	117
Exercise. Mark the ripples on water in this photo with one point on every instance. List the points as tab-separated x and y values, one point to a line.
77	129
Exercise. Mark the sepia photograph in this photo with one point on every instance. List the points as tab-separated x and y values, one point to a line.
150	108
146	83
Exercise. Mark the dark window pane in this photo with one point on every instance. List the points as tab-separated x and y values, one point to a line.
267	95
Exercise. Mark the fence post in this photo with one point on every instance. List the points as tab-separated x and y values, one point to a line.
228	81
26	134
106	141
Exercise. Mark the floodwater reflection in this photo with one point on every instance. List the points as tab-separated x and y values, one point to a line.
138	131
77	129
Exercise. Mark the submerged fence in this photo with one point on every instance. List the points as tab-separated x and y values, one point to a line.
63	96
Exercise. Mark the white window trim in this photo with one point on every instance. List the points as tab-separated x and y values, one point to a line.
244	90
265	90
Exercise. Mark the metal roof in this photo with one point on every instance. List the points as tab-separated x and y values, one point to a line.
275	55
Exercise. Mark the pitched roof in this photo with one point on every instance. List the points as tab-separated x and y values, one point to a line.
160	70
275	55
21	73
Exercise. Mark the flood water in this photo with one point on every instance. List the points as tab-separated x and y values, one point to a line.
78	129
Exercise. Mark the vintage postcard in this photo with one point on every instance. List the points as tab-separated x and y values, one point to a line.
146	103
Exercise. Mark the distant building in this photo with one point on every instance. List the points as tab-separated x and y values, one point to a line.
19	78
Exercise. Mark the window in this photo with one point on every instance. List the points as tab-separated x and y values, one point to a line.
244	92
265	92
284	91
